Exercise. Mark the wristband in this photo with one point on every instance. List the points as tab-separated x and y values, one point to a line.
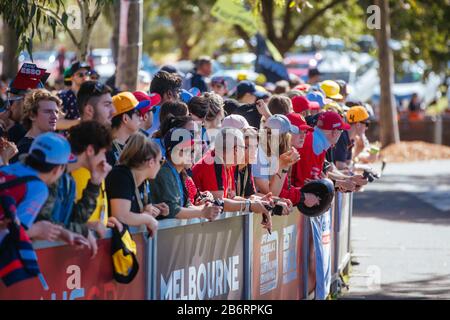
247	205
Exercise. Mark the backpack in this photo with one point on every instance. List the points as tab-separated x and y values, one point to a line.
124	260
18	260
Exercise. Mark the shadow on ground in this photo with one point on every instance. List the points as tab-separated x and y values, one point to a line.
435	287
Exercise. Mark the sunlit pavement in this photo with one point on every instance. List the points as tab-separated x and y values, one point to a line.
401	234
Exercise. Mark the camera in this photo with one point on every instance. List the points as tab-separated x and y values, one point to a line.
370	176
275	211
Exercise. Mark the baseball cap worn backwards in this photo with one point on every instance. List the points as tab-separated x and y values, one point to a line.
331	120
51	148
146	102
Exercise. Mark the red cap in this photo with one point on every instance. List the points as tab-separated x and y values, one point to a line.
298	121
330	120
154	99
302	87
300	104
313	105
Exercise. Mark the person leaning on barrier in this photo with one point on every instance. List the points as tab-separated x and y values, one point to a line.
89	142
244	181
275	154
128	188
169	185
45	163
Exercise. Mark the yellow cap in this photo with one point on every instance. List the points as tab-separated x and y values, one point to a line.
123	102
331	89
333	106
357	114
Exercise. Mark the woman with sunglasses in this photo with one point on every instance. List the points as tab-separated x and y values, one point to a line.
170	185
128	188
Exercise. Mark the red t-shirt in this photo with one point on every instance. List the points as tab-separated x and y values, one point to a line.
211	176
310	165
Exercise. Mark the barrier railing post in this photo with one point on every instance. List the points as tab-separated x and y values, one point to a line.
153	263
148	267
248	255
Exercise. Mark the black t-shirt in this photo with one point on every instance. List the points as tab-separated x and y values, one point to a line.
244	178
23	146
250	113
16	133
199	82
343	150
120	185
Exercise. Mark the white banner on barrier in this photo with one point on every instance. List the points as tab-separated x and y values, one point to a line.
321	230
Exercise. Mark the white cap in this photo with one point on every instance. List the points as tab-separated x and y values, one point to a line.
235	121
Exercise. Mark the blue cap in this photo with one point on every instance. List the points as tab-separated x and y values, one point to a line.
51	148
281	123
186	96
317	97
246	86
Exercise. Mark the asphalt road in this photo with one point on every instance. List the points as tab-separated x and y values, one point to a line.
401	234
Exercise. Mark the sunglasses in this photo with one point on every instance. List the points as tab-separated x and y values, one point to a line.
99	88
162	161
82	74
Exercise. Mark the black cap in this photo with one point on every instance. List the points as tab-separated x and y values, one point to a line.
77	65
313	72
324	189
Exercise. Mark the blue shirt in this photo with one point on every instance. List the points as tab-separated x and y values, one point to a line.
36	193
156	123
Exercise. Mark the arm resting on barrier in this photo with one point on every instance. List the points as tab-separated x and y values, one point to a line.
121	209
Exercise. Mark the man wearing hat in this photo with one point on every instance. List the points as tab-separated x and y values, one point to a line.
329	127
146	113
125	122
358	119
302	105
45	163
77	74
247	95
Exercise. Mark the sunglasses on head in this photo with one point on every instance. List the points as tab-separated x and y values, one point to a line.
82	74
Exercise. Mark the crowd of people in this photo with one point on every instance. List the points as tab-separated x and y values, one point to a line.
87	158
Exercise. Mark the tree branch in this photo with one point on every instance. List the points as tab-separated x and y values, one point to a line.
305	25
57	18
267	14
286	21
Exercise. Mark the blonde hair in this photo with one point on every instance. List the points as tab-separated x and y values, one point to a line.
31	104
138	150
281	141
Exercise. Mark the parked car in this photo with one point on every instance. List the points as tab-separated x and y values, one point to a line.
299	64
359	70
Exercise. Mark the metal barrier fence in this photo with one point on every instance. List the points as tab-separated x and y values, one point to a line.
230	258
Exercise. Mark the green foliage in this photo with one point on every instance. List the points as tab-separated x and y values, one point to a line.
31	17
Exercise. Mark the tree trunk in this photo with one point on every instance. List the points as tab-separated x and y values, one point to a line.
130	44
10	63
116	29
182	33
388	114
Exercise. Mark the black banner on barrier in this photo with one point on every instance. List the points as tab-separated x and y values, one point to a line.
201	261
